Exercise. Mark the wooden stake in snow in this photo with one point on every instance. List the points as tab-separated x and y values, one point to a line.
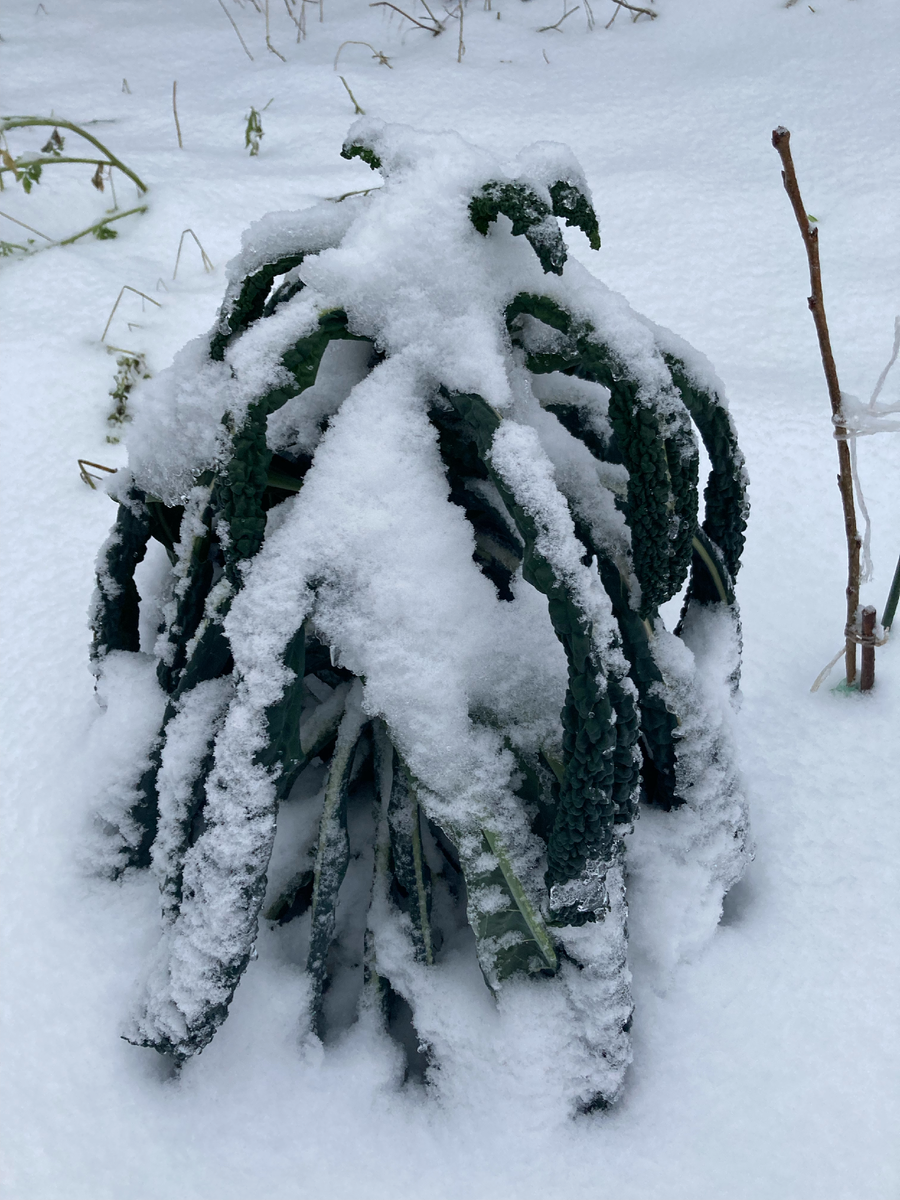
781	140
867	672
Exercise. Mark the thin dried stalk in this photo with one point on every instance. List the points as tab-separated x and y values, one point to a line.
126	288
432	29
567	13
236	30
175	112
207	263
269	45
30	228
360	112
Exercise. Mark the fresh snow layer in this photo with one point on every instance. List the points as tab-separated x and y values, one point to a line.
765	1049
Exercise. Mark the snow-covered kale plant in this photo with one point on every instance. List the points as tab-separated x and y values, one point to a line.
420	494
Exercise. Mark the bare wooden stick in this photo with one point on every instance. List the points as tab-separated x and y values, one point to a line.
781	140
867	670
236	30
175	112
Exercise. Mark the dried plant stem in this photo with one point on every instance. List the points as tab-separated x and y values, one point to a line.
462	45
30	228
207	263
568	12
433	29
236	30
360	112
636	9
88	478
126	288
781	140
269	45
358	192
175	113
382	58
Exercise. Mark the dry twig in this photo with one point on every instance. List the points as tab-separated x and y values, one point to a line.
781	140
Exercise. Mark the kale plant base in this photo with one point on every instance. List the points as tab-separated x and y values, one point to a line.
422	491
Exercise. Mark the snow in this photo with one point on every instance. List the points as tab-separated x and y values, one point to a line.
765	1049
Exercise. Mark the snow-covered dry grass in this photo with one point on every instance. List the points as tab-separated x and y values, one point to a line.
765	1060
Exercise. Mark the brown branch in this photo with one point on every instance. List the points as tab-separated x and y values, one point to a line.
781	140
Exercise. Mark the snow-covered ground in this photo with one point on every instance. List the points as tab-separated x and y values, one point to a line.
766	1065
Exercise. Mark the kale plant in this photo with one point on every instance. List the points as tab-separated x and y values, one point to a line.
423	489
